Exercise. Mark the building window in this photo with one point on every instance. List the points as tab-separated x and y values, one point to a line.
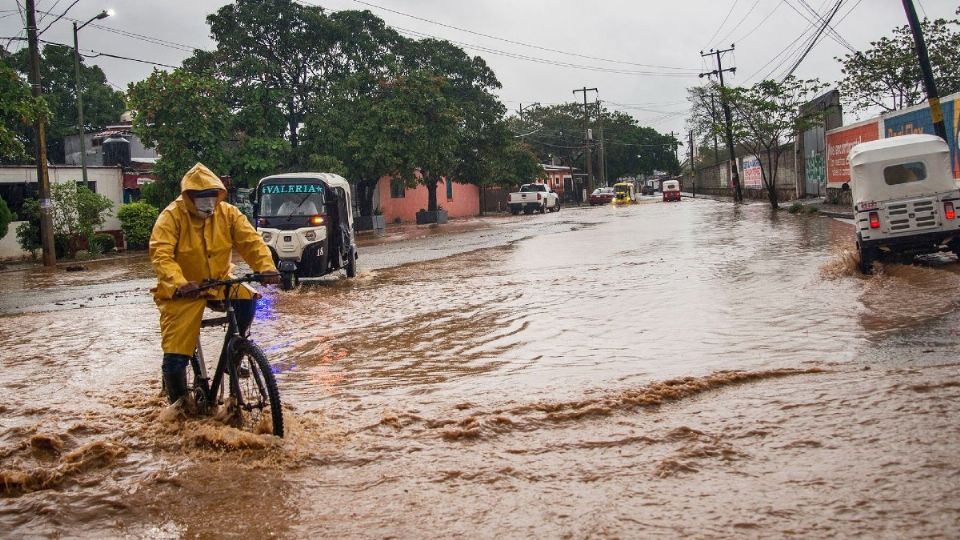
398	189
449	189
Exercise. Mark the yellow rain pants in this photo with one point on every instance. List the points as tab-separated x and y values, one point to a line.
186	247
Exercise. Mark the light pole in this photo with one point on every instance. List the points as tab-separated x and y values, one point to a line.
76	66
522	108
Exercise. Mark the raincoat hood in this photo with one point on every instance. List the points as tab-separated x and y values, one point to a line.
200	178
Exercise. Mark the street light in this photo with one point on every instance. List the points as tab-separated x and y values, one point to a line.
76	66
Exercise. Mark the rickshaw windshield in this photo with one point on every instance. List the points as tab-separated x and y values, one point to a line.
622	190
293	199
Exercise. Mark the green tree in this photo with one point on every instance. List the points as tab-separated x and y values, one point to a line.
102	105
6	216
136	221
18	111
766	119
888	74
28	232
516	165
77	211
185	117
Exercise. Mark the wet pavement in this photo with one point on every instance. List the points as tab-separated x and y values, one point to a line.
657	370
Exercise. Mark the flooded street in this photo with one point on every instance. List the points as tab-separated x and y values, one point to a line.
657	370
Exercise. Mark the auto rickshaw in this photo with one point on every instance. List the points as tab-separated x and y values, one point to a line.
624	193
306	220
671	190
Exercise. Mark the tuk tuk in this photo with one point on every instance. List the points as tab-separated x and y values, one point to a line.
671	190
306	219
624	193
904	198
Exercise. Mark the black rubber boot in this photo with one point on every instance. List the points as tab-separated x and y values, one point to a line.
174	370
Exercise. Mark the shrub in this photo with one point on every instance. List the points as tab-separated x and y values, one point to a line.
28	233
795	207
102	243
136	220
6	216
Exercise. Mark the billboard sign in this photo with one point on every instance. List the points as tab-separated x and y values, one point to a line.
839	143
751	173
918	120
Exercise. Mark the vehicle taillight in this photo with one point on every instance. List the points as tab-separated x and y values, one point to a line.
874	220
538	196
949	210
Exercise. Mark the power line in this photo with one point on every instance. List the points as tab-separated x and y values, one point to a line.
735	27
759	24
538	60
817	18
813	43
134	35
725	19
514	42
97	54
58	16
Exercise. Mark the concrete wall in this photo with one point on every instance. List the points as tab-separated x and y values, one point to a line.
109	183
9	248
715	179
464	203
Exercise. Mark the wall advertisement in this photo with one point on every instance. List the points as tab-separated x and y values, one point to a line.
919	120
751	173
839	143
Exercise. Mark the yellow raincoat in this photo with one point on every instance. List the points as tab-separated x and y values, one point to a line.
186	247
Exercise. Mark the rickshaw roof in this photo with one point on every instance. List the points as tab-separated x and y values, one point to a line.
868	161
670	184
622	184
895	148
330	179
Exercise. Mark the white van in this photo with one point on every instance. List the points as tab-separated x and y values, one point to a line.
904	198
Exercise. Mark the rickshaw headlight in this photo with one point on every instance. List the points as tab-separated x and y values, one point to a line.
267	236
310	236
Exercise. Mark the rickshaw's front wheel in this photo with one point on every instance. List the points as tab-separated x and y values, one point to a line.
352	265
867	258
288	280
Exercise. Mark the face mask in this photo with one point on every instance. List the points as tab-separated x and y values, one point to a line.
205	206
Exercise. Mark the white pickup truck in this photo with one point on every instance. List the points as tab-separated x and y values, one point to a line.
534	197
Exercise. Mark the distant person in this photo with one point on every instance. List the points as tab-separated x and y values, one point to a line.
192	241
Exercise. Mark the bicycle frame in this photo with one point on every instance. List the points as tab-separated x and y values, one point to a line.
211	388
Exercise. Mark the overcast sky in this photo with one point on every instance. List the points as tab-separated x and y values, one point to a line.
640	54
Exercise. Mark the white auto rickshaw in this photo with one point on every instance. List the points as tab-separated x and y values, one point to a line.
306	219
904	198
671	190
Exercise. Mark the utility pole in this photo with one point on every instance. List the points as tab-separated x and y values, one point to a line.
693	167
713	117
523	136
587	136
603	149
676	146
936	112
734	174
46	219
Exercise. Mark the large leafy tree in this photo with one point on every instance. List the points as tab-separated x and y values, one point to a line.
766	119
278	56
102	105
887	76
186	118
18	111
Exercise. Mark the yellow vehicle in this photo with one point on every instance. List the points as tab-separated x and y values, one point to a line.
624	193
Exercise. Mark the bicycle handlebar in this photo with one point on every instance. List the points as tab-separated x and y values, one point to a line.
216	283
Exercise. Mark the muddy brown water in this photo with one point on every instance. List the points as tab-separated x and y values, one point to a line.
660	370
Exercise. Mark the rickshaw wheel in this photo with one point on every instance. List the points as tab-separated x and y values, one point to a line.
352	265
867	257
288	281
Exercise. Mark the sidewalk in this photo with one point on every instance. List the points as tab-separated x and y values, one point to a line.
828	210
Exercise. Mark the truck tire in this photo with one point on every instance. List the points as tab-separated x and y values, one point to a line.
556	207
514	210
543	207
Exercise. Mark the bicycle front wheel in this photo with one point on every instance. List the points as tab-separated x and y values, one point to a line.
254	391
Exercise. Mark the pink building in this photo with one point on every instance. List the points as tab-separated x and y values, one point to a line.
398	201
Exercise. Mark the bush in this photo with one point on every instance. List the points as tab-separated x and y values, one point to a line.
795	207
6	216
136	220
102	243
28	233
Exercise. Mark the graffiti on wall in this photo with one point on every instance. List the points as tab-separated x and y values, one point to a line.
815	171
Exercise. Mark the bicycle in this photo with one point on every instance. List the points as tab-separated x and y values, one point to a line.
250	381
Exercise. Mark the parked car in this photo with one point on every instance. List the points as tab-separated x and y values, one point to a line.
601	195
532	198
646	189
904	198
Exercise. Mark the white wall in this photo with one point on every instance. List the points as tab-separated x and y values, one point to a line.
109	183
9	248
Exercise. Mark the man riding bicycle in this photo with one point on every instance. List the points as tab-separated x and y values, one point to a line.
192	241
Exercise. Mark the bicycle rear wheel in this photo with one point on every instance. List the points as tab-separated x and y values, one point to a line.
255	391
